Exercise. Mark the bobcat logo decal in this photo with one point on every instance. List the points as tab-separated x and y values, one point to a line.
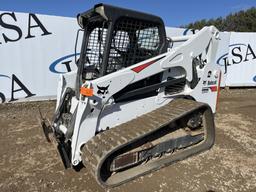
102	90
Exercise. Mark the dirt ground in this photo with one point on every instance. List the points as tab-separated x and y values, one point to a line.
29	163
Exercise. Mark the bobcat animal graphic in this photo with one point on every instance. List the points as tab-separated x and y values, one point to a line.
102	90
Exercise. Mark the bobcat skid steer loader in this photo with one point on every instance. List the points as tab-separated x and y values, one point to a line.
135	105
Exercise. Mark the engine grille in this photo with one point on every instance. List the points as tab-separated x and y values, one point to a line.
176	88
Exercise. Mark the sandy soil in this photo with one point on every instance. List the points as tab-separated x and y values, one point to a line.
29	163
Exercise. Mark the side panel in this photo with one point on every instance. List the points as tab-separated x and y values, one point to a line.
119	113
208	87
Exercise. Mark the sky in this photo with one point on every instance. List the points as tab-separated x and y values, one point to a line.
175	13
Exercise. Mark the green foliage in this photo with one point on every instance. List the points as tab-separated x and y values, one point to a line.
242	21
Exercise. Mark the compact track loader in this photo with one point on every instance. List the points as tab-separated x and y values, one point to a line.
135	104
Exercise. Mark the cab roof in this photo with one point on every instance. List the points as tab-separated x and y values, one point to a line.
112	13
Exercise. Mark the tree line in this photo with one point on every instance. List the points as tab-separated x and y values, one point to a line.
242	21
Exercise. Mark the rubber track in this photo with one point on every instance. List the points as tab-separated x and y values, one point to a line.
97	149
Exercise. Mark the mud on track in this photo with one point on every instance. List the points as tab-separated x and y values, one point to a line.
29	163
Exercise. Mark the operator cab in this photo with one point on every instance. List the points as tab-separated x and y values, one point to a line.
115	38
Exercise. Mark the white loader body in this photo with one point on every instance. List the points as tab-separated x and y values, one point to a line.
98	112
